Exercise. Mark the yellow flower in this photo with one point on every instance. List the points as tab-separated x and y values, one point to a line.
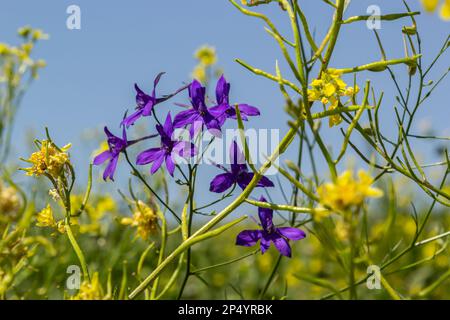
199	73
432	5
328	90
144	218
90	290
9	200
206	55
48	160
347	191
45	217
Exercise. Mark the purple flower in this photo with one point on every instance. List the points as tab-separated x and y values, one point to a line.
239	173
270	233
199	114
116	146
224	110
167	151
145	102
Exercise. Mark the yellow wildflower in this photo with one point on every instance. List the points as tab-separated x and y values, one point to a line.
144	218
328	90
90	290
206	55
9	200
48	160
199	73
432	5
347	191
45	217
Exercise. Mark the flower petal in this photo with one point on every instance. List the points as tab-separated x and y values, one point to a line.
131	119
149	155
110	169
170	165
244	179
291	233
102	157
222	90
282	246
157	164
221	182
248	238
185	117
265	216
248	110
265	242
265	182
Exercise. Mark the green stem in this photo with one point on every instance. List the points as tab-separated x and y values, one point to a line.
270	279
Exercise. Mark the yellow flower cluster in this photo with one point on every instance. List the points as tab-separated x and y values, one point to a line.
144	218
45	218
16	60
48	160
347	191
328	90
9	200
432	5
206	57
90	290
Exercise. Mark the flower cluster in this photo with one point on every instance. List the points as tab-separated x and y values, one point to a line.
90	290
329	89
347	192
9	200
49	160
432	5
144	219
206	57
197	117
46	219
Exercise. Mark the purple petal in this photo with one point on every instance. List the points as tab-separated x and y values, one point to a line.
131	119
282	246
170	165
168	127
244	179
221	182
222	90
265	216
102	157
157	164
265	182
149	155
236	156
110	169
185	117
197	94
291	233
265	242
148	107
247	110
248	238
184	149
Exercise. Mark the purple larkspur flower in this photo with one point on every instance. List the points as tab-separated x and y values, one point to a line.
168	150
199	113
116	146
238	174
145	102
224	110
270	234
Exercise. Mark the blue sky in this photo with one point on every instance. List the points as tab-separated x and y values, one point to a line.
88	82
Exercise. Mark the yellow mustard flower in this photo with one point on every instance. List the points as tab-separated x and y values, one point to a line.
9	200
45	217
199	73
206	55
90	290
48	160
328	90
432	5
347	191
144	218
